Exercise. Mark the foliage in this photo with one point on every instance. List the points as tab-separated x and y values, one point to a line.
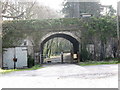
104	27
30	61
55	46
40	24
35	67
12	70
14	32
94	30
99	31
84	54
98	62
112	11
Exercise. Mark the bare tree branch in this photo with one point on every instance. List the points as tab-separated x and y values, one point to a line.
5	7
13	16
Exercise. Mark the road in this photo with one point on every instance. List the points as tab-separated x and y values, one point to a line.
57	59
63	76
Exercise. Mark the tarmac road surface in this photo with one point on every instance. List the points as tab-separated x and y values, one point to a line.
63	76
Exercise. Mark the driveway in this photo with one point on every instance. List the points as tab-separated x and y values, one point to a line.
63	76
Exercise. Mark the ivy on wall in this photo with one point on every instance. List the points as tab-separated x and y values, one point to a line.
16	31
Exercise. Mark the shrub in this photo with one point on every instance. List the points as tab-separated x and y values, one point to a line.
30	61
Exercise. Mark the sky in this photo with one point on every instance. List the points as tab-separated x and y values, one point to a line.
56	4
110	2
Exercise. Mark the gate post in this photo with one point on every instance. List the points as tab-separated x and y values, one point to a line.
62	57
41	54
71	57
78	55
41	58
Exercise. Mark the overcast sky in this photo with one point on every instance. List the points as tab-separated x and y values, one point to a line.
56	4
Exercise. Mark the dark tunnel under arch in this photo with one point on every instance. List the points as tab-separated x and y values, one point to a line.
70	38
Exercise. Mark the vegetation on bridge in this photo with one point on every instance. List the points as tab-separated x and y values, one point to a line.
49	24
15	31
99	31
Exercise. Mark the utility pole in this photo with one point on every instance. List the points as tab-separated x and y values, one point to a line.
1	60
118	29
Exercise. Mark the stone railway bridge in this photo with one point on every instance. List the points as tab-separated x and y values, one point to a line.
38	32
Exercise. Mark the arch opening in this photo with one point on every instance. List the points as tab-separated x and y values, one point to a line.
70	38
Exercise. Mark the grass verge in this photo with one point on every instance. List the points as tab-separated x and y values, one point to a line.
2	71
98	63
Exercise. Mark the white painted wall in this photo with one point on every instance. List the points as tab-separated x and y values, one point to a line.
21	54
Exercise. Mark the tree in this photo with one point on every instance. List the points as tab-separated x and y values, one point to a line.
111	11
9	10
26	10
56	45
100	32
43	12
108	10
75	9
